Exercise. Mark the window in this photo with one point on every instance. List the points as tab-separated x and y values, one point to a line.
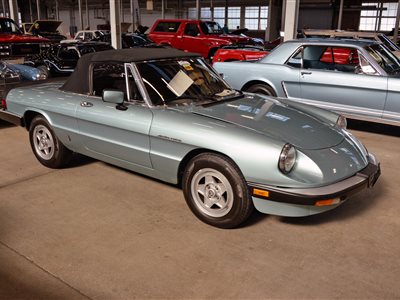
378	16
205	13
112	76
167	27
191	29
219	15
331	58
233	17
256	17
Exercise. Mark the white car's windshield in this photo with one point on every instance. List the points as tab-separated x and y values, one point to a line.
183	81
385	58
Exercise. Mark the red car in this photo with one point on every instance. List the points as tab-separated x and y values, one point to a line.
15	46
340	56
232	53
204	37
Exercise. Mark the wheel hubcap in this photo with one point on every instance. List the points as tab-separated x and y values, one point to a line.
43	142
212	192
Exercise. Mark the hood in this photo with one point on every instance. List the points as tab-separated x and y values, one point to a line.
46	25
273	118
21	38
229	37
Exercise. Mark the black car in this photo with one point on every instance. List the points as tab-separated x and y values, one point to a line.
61	59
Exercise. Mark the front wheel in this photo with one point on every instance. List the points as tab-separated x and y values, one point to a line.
216	191
47	148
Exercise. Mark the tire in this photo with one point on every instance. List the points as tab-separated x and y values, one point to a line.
224	200
45	70
47	148
263	89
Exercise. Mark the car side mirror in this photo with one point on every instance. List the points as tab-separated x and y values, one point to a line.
114	96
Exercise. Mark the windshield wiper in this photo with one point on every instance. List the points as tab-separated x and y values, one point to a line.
226	98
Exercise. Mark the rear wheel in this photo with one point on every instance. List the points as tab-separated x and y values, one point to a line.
261	88
44	70
216	191
46	146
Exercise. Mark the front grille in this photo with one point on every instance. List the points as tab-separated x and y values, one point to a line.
25	49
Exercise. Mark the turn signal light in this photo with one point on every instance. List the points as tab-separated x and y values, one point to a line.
262	193
327	202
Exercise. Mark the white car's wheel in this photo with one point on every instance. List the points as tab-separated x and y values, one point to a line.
46	146
216	191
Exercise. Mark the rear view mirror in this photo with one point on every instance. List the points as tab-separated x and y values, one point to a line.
113	96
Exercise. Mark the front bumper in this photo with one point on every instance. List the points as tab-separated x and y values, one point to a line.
298	202
11	118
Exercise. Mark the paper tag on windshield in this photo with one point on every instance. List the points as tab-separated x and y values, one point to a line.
180	83
186	65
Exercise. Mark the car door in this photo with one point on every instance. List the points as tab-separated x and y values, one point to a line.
391	112
119	136
341	79
192	40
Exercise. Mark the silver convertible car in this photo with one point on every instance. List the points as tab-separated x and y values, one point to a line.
357	78
166	114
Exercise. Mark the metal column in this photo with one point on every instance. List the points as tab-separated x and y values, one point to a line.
87	15
340	15
291	18
4	8
115	23
38	9
198	10
57	11
162	9
396	27
30	11
80	14
14	10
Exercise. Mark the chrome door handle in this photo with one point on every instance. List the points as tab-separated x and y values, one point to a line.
86	104
305	72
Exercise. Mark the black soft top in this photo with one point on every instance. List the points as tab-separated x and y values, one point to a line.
78	82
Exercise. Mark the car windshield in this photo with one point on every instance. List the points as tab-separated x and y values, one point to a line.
385	58
211	28
8	26
388	43
182	82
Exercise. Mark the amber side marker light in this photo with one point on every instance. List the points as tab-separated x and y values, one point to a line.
327	202
259	192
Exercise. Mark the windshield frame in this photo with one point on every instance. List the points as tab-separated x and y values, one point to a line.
384	53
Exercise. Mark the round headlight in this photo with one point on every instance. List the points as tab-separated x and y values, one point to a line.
341	122
287	158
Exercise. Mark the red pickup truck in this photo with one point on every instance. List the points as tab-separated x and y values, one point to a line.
15	46
204	37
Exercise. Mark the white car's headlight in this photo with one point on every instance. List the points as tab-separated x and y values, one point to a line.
287	159
341	122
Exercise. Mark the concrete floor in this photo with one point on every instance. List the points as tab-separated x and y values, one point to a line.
96	231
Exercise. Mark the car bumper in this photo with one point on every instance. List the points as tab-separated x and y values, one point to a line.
11	118
295	202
